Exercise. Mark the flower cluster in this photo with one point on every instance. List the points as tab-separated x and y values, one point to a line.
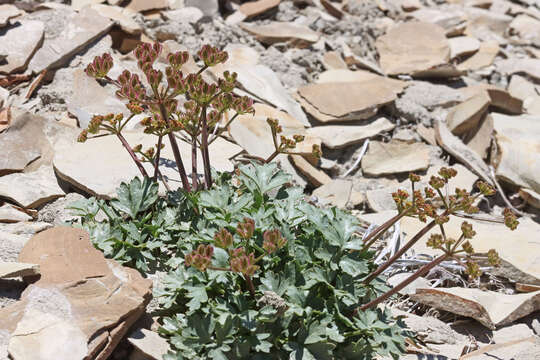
201	258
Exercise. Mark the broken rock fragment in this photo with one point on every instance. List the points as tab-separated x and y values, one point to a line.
254	8
15	269
395	157
483	57
146	5
335	193
528	66
463	46
19	43
8	12
149	344
281	32
467	115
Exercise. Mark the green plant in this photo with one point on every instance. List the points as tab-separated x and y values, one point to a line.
198	121
253	270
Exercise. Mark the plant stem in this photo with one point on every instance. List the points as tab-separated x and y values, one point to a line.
420	272
132	154
250	285
204	149
194	180
272	157
176	151
401	251
158	154
373	236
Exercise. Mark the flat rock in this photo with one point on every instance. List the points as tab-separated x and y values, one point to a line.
486	25
346	75
123	17
81	306
482	58
340	136
463	46
527	28
467	115
8	12
281	32
19	43
412	47
491	309
12	214
452	21
519	147
420	283
145	5
528	66
313	175
81	29
149	343
16	269
480	142
332	60
395	157
335	193
188	14
255	8
526	348
79	4
101	178
329	102
208	7
32	189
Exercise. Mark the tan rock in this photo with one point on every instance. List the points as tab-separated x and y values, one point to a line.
395	157
467	115
346	75
32	189
8	12
490	308
79	4
16	269
281	32
12	214
527	28
526	348
149	343
335	193
453	22
482	58
412	47
519	148
19	43
314	176
340	136
332	60
189	14
381	199
255	8
335	9
531	197
346	101
123	17
529	93
486	25
410	5
528	66
145	5
428	134
353	59
81	29
463	46
480	142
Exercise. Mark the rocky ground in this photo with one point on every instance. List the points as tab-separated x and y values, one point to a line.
385	87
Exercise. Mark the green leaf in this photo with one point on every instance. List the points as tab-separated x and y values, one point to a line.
263	178
136	196
353	267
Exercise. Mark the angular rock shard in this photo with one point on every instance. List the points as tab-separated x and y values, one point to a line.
395	157
19	43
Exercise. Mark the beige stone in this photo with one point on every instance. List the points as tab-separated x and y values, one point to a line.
412	47
346	101
149	343
463	46
81	29
335	9
467	115
395	157
527	28
12	214
314	176
452	21
19	43
346	75
16	269
480	141
335	193
255	8
519	148
340	136
515	65
8	12
529	93
531	197
486	25
490	308
482	58
282	31
124	17
526	348
79	4
333	60
145	5
410	5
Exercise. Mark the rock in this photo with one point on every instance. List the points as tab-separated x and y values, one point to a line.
455	147
410	5
395	157
19	43
526	349
332	60
123	17
381	199
16	269
8	12
524	90
346	75
208	7
531	197
329	102
81	29
145	5
255	8
428	134
335	193
333	8
340	136
89	98
527	28
412	47
453	22
190	15
275	32
101	178
81	306
58	212
32	189
467	115
529	66
398	278
480	142
11	214
315	176
482	58
519	148
490	308
463	46
149	343
79	4
486	25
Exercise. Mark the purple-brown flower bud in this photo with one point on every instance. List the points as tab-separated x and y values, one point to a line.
99	68
223	239
273	241
212	56
243	263
246	228
178	59
201	257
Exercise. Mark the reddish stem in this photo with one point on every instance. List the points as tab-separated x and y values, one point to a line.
204	149
250	286
372	237
158	154
194	180
132	154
